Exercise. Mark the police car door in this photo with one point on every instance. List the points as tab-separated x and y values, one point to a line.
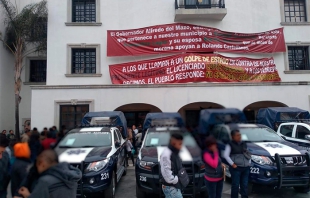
122	148
118	152
300	135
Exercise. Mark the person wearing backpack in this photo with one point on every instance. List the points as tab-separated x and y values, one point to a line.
214	170
174	176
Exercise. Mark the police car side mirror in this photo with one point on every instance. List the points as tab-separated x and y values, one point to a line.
307	137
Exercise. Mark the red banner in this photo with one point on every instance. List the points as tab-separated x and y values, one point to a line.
185	68
180	37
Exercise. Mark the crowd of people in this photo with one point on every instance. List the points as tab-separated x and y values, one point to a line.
34	171
32	167
134	140
236	154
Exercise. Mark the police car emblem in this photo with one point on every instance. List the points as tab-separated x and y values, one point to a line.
76	152
273	145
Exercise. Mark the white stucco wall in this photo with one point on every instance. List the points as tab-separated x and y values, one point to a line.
7	120
243	16
7	105
168	99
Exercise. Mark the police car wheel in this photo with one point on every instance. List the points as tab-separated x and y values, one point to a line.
302	189
140	193
110	192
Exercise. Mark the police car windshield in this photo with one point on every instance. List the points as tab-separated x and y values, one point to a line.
162	139
86	139
259	134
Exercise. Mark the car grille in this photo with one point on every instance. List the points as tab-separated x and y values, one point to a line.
293	161
79	166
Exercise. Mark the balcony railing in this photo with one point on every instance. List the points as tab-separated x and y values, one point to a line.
200	9
199	4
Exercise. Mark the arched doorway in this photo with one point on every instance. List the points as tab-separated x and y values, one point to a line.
135	113
251	110
191	112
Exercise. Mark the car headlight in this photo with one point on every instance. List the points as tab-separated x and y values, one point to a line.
97	166
262	160
146	165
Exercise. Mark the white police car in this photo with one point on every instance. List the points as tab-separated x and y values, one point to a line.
99	152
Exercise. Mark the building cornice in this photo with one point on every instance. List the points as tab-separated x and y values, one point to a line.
41	87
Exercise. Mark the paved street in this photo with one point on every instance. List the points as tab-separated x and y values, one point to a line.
126	188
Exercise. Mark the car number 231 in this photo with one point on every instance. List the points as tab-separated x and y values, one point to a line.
104	176
254	170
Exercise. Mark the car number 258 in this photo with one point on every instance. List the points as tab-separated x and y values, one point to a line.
254	170
104	176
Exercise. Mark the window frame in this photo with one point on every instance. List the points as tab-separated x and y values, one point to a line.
307	15
304	12
286	58
296	134
58	103
75	113
116	137
74	11
83	46
119	134
28	72
283	126
70	14
31	72
76	66
306	51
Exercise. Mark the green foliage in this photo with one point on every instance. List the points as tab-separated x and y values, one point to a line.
29	26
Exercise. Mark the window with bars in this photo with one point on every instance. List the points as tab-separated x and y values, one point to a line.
84	11
71	115
37	71
84	61
295	11
298	57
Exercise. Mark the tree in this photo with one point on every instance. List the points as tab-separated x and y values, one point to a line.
25	33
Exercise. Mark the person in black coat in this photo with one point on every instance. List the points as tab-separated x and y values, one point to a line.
35	145
19	169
